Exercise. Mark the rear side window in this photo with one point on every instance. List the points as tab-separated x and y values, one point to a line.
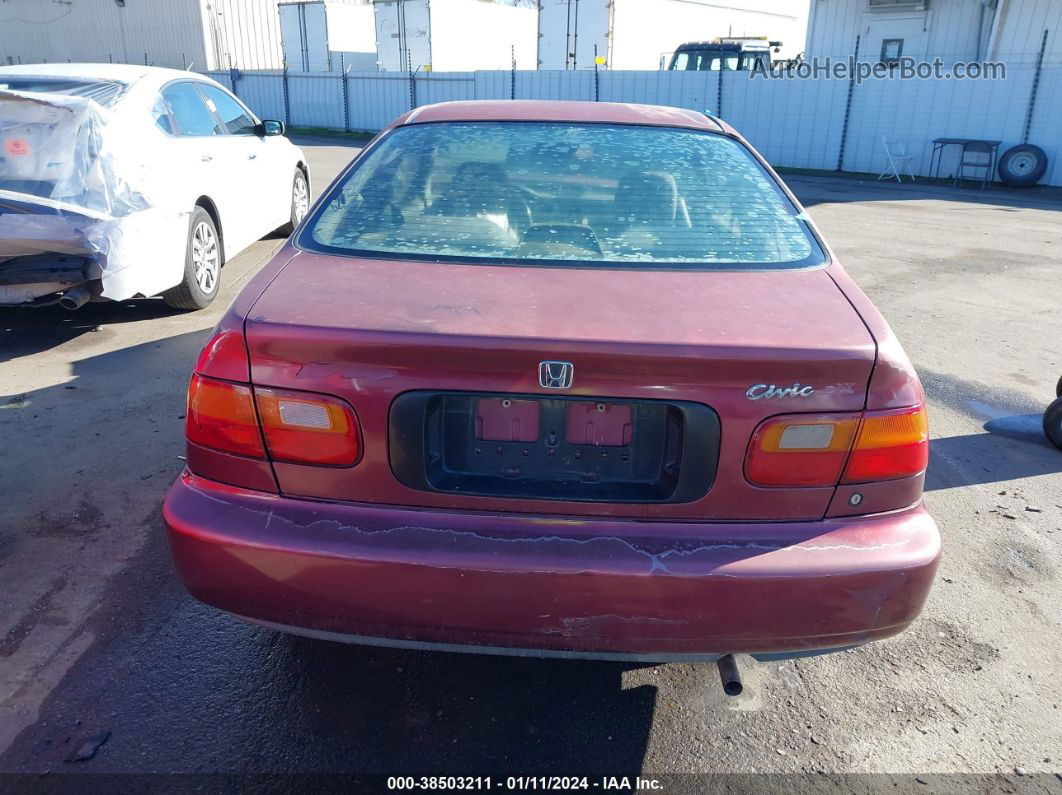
189	110
546	193
236	118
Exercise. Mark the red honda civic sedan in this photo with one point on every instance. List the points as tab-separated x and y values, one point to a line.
561	379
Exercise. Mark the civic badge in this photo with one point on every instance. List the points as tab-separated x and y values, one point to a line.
768	391
556	375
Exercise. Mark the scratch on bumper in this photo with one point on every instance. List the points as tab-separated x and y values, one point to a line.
497	580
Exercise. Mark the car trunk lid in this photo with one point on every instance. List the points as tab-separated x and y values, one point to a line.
371	331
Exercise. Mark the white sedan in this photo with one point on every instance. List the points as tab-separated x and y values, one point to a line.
120	180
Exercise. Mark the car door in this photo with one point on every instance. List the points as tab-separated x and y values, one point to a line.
266	162
197	164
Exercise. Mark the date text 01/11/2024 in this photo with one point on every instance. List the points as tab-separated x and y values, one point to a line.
524	783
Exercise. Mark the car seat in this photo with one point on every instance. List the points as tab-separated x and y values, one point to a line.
483	189
644	197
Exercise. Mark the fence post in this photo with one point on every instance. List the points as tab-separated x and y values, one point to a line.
597	84
234	75
284	92
346	91
412	81
512	71
848	106
719	92
1035	88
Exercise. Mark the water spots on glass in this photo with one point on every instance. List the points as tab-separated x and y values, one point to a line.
565	193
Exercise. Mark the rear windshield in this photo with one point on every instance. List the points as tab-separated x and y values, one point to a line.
545	193
103	92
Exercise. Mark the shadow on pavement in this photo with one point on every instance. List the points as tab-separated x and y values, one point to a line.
24	331
92	455
1012	446
992	457
397	710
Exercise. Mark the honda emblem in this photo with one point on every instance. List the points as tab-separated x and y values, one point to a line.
556	375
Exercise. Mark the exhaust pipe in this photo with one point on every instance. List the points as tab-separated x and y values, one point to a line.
730	675
74	298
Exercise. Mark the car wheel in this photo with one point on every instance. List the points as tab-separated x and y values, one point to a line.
1023	166
1053	423
300	201
202	266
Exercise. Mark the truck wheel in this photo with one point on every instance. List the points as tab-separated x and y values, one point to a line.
1023	166
1053	423
300	202
202	266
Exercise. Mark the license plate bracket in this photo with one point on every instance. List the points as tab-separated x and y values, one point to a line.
612	450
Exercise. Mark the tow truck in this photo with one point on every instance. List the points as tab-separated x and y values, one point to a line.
738	53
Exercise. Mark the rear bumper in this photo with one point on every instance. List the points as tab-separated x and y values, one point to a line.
546	585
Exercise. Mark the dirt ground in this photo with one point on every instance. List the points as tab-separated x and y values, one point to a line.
96	636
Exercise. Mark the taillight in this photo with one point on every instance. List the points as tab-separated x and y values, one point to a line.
221	416
226	413
891	444
225	354
306	428
800	450
824	450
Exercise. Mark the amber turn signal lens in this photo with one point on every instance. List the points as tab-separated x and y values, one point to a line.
890	445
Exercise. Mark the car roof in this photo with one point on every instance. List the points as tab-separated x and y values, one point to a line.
556	110
122	73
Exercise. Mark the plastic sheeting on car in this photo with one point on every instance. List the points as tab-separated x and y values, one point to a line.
75	181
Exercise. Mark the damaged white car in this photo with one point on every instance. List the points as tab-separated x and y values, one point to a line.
123	181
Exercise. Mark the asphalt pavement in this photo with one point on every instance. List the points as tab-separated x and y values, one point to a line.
98	641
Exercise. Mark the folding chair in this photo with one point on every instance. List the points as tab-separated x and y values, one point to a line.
899	162
965	162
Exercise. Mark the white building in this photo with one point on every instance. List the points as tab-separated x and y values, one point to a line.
328	35
953	30
639	34
455	35
202	34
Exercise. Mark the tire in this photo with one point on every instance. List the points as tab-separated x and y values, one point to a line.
300	201
1022	166
1053	423
202	265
